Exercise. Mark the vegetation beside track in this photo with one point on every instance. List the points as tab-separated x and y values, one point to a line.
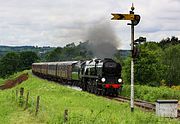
83	108
2	80
151	94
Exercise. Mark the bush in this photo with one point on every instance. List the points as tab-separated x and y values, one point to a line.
151	94
175	88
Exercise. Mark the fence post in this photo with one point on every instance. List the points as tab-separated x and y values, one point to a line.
37	105
27	99
16	95
21	96
13	95
65	115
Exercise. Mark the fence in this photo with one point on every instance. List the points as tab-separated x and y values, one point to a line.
25	101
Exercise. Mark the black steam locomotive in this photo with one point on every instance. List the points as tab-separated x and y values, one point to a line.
95	76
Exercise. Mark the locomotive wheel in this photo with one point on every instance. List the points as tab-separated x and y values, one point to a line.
95	90
84	87
92	89
102	92
98	92
84	84
116	93
88	88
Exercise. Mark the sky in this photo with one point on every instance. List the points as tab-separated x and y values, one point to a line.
59	22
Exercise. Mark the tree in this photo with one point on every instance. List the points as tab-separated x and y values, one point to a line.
55	55
172	61
9	64
70	52
26	59
148	66
164	43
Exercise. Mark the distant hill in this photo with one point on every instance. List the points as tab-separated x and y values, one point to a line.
42	51
39	50
124	53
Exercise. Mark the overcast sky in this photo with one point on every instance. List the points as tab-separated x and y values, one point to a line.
58	22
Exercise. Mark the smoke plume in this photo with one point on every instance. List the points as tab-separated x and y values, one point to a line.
102	40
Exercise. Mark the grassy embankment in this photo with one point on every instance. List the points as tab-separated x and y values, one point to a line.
83	108
152	94
10	77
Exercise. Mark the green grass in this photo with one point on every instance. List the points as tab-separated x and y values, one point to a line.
151	94
1	81
83	108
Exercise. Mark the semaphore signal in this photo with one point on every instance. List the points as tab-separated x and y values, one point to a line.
135	19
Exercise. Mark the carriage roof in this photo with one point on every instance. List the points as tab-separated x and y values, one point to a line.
57	63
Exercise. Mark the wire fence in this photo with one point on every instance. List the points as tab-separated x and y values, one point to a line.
37	107
25	101
28	102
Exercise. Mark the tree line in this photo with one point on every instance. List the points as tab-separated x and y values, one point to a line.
13	62
158	63
70	52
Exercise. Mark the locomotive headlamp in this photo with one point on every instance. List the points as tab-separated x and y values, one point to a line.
103	79
119	80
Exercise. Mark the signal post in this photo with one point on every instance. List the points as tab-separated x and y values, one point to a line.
134	21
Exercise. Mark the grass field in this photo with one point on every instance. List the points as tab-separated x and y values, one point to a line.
83	108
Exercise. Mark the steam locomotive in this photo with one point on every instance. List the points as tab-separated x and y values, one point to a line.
96	76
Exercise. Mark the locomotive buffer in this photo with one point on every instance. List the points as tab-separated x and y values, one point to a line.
134	21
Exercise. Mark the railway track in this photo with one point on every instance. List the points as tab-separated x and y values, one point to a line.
139	103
